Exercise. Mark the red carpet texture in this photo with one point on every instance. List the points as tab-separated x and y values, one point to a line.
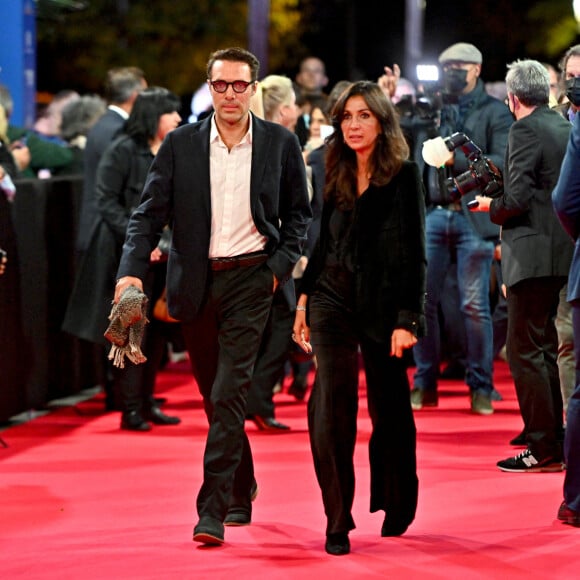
81	499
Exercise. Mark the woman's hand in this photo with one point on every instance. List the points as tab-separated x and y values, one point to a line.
300	330
400	340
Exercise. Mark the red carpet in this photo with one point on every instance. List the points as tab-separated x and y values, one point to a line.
81	499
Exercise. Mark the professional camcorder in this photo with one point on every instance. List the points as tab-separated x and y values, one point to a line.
436	89
427	104
482	173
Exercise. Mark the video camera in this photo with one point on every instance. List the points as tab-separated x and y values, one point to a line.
482	173
428	102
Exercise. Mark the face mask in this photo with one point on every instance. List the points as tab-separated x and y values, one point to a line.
454	80
573	90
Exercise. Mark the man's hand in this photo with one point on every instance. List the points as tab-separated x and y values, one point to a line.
389	80
400	340
483	203
124	283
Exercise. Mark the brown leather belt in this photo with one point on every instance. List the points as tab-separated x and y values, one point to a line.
243	261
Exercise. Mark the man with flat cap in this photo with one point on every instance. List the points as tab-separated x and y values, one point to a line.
454	234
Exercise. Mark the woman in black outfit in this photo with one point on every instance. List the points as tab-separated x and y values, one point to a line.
121	175
364	288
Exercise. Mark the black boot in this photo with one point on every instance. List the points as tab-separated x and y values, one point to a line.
158	417
133	421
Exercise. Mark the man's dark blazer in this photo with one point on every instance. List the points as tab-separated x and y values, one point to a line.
99	138
566	199
177	191
534	244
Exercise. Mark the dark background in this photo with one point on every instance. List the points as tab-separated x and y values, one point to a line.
355	38
503	30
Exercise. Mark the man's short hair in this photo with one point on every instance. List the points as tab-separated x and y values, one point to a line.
122	82
529	81
235	54
572	51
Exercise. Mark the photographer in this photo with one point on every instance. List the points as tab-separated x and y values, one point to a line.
453	232
536	258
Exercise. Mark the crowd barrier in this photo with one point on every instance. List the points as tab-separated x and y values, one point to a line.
40	363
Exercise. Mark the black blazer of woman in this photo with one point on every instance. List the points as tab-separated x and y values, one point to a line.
389	256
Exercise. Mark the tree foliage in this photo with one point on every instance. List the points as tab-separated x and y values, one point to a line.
169	39
555	28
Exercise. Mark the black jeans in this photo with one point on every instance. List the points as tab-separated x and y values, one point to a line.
532	350
223	343
332	416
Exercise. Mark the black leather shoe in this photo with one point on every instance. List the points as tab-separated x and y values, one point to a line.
268	423
337	544
157	416
133	421
568	516
209	531
393	527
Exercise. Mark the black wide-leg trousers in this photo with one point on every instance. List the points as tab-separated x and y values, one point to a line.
332	418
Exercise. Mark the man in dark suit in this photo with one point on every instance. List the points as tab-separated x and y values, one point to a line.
536	256
234	189
566	199
122	87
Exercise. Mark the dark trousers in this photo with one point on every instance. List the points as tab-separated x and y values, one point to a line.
223	343
272	356
332	416
532	350
572	435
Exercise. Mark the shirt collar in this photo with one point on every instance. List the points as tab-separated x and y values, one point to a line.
214	134
119	111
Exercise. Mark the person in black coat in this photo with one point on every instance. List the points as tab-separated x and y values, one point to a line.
364	287
120	179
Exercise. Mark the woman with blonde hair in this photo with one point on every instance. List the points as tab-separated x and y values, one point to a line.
279	101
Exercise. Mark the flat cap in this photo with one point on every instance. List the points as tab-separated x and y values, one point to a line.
461	52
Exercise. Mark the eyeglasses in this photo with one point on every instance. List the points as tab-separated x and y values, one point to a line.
222	86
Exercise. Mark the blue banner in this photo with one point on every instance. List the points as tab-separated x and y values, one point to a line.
18	58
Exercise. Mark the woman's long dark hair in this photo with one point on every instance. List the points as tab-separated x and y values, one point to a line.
386	160
148	107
